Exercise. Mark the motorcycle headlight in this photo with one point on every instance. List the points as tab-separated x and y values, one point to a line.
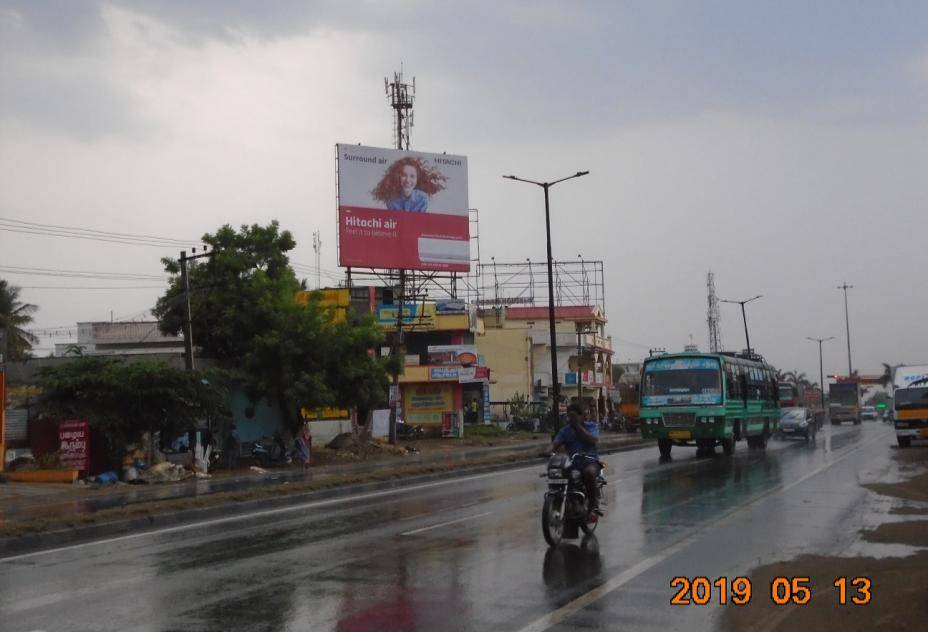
555	472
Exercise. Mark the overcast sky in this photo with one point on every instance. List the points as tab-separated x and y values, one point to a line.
784	145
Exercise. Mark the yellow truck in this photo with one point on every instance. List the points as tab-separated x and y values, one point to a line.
910	403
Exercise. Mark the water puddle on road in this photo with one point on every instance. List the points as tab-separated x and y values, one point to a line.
876	582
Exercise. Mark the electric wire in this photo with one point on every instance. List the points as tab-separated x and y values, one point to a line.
55	230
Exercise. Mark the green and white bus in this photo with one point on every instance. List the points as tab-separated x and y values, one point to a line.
708	399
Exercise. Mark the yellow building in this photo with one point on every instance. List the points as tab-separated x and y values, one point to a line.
516	344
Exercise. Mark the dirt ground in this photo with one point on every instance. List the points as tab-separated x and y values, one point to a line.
898	585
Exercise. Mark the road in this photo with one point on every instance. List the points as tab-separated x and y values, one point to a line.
467	553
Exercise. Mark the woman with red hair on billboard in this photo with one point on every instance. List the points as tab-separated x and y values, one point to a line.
407	185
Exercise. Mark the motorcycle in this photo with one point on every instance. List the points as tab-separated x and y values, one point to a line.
267	454
564	513
520	423
408	431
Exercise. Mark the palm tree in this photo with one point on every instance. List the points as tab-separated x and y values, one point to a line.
886	379
14	315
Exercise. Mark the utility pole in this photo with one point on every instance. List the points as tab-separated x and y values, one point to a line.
847	323
555	383
579	373
188	322
188	327
821	370
401	96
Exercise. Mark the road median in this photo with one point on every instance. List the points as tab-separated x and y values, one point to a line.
84	515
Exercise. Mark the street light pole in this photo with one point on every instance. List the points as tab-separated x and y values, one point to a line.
555	384
821	370
847	323
747	339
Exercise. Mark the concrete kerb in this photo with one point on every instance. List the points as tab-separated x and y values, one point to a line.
86	533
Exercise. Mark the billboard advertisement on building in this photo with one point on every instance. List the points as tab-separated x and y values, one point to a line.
402	209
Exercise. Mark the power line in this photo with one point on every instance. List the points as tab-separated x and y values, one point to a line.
91	287
86	274
35	228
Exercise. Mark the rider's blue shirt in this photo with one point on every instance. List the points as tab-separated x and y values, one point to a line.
574	444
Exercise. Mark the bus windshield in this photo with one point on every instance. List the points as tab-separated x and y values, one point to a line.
908	398
682	381
786	391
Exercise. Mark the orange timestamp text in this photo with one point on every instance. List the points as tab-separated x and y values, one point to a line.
703	591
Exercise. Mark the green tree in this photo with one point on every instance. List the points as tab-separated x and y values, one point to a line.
245	314
15	342
124	400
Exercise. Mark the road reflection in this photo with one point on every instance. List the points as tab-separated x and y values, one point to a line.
571	568
678	497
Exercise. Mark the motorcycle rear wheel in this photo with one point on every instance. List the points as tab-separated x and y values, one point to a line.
552	521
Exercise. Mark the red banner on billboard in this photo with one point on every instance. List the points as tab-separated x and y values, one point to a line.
74	444
402	209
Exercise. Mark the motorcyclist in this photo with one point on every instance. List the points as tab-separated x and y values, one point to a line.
579	437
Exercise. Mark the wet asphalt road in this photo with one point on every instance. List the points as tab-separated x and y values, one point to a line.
467	553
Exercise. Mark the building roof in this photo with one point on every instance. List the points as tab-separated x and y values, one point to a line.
564	312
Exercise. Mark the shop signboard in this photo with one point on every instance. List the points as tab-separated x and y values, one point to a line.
415	315
452	354
402	209
440	373
473	374
426	403
74	444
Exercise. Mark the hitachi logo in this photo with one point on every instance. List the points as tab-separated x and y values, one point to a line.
374	222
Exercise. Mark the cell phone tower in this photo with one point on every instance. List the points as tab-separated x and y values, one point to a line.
317	249
713	315
401	96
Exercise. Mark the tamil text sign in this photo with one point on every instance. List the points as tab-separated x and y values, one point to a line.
74	444
402	209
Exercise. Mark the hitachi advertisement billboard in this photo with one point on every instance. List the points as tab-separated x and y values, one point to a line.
402	209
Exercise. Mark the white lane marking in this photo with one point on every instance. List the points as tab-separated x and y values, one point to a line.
266	512
445	524
557	616
269	512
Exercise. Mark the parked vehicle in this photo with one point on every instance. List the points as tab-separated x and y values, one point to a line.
564	513
408	431
268	453
910	403
797	422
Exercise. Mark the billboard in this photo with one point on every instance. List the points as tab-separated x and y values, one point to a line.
402	209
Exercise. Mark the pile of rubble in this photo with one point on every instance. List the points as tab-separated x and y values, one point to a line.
351	447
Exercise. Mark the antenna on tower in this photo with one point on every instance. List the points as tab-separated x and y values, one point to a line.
713	315
401	95
317	248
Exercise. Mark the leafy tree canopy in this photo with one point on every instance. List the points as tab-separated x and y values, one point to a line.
124	400
245	314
